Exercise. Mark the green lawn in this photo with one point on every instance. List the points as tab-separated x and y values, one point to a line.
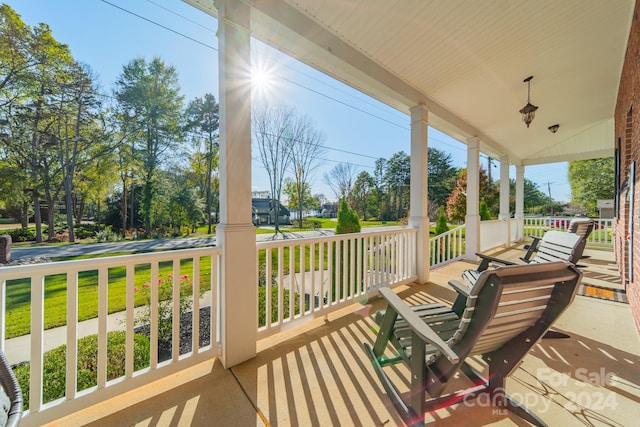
18	298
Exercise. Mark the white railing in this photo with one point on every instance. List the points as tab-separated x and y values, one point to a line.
600	236
94	281
493	234
446	247
304	278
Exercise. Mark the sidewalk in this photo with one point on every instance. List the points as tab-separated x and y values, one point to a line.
19	349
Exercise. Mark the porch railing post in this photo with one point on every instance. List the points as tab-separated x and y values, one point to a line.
419	197
236	233
472	219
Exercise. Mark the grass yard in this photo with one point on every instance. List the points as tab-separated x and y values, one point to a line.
18	294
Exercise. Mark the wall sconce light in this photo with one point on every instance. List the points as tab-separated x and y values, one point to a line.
554	128
528	111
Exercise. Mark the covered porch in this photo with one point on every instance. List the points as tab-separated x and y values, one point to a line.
318	374
305	366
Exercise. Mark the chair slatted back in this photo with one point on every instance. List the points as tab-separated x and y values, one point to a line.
581	226
558	246
507	302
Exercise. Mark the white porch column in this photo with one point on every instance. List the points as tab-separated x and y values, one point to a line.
520	200
504	188
504	214
419	178
472	219
236	233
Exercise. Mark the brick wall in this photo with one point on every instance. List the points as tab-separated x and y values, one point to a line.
627	128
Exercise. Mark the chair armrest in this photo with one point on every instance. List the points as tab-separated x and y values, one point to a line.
417	325
486	260
460	287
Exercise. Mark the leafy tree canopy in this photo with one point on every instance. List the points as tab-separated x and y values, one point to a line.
591	180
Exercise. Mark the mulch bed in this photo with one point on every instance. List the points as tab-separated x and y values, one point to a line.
186	333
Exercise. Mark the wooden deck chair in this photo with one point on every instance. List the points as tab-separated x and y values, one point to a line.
10	395
554	246
581	226
504	315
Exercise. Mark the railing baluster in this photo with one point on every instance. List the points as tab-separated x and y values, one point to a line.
322	278
37	344
292	282
195	313
129	307
154	324
3	310
215	285
359	254
175	315
268	289
303	273
103	312
312	269
352	267
280	285
72	335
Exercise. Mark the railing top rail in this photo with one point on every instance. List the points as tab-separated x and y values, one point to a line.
50	268
452	231
335	238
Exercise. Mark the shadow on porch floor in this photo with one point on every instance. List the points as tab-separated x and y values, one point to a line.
319	375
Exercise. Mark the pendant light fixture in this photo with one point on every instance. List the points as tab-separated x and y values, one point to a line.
528	111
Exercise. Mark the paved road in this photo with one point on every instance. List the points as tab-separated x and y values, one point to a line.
142	245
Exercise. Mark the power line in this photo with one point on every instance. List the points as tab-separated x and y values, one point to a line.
346	104
181	16
160	25
343	103
281	77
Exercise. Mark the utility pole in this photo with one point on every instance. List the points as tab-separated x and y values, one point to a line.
489	160
550	199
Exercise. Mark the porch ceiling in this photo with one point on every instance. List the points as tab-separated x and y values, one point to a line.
466	60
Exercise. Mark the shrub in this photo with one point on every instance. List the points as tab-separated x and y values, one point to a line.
262	304
484	211
348	221
441	225
262	274
86	231
165	303
54	364
106	235
20	234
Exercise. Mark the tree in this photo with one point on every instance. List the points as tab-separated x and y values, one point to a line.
442	176
32	67
80	142
362	198
299	197
340	180
275	132
535	201
150	105
304	159
591	180
203	118
397	178
457	201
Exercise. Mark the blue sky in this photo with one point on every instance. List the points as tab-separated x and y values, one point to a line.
103	35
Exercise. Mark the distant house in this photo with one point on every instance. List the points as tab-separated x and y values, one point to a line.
606	208
264	212
329	210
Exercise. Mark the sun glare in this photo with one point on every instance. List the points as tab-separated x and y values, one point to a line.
261	79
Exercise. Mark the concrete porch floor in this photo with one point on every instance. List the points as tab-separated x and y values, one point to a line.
318	374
